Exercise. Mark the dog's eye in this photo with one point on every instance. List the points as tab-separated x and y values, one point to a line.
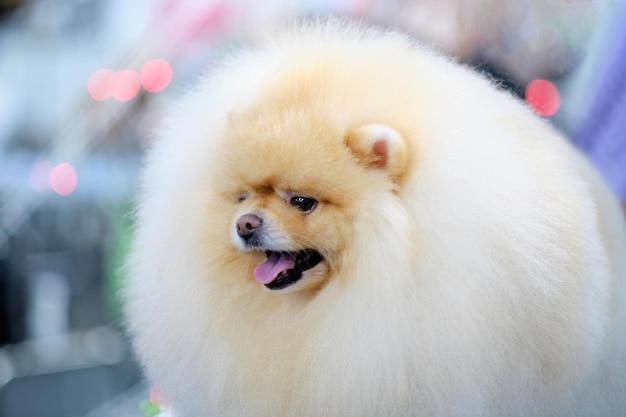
242	197
305	204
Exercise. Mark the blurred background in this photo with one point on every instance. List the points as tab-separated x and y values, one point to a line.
84	82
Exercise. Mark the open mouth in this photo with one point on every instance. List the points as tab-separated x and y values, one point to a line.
283	269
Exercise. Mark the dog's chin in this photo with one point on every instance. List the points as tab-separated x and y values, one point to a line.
307	272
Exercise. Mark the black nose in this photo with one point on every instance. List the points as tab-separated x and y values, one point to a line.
247	225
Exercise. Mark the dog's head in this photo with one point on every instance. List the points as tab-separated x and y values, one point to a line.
295	186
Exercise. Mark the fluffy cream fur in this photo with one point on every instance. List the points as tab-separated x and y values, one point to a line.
474	264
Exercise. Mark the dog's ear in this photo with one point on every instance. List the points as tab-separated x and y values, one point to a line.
381	147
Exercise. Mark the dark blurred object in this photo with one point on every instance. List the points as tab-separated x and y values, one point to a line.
54	275
12	306
67	393
61	357
5	323
9	6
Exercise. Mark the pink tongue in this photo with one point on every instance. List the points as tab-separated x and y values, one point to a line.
275	264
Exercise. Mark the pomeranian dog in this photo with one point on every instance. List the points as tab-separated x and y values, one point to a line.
341	222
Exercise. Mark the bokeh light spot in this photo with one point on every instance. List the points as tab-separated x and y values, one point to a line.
63	179
156	75
99	84
543	97
125	85
39	176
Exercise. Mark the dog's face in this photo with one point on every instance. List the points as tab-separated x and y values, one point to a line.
294	184
286	227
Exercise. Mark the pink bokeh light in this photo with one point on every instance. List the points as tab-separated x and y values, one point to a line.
99	84
63	179
543	97
125	85
156	75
